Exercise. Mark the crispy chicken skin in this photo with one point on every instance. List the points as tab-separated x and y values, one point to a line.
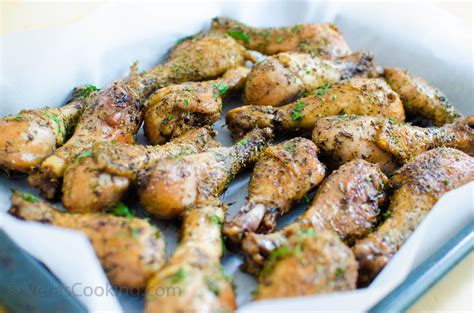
309	263
129	249
99	180
319	39
174	184
347	202
114	115
420	98
197	58
279	79
193	277
383	141
283	175
173	110
417	187
361	96
29	137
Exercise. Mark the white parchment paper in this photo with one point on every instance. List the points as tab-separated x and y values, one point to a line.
40	68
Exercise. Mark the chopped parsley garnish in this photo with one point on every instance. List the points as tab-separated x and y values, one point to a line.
279	39
180	40
122	210
339	272
135	232
178	277
85	154
222	88
290	148
215	219
296	113
387	214
277	254
186	102
55	119
323	89
168	119
87	91
27	196
306	199
213	286
243	142
239	35
446	182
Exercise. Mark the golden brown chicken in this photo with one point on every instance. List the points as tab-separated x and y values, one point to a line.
193	279
318	39
420	98
361	96
172	185
348	203
383	141
130	249
29	137
173	110
101	178
417	187
114	115
283	175
310	262
279	79
196	58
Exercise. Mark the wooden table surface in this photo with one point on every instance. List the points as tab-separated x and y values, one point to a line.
454	293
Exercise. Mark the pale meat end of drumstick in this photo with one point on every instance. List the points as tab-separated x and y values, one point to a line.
283	175
129	249
417	187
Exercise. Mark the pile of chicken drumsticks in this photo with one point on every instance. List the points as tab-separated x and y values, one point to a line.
375	176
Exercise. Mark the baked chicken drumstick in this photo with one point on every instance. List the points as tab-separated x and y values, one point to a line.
307	257
318	39
383	141
420	98
175	109
283	175
279	79
361	96
101	178
129	249
29	137
194	272
417	187
174	184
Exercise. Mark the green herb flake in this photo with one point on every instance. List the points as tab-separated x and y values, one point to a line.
279	39
180	40
239	35
121	209
243	142
28	196
290	148
168	119
135	232
222	88
296	112
178	277
56	121
277	254
446	182
85	154
213	286
186	102
306	199
87	91
215	219
339	272
323	89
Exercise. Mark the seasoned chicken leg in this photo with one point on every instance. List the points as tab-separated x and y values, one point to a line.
283	174
361	96
196	58
115	115
174	184
310	262
129	249
279	79
101	178
173	110
420	98
193	277
29	137
318	39
347	202
381	140
417	187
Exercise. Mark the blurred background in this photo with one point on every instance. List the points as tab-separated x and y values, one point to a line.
455	292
